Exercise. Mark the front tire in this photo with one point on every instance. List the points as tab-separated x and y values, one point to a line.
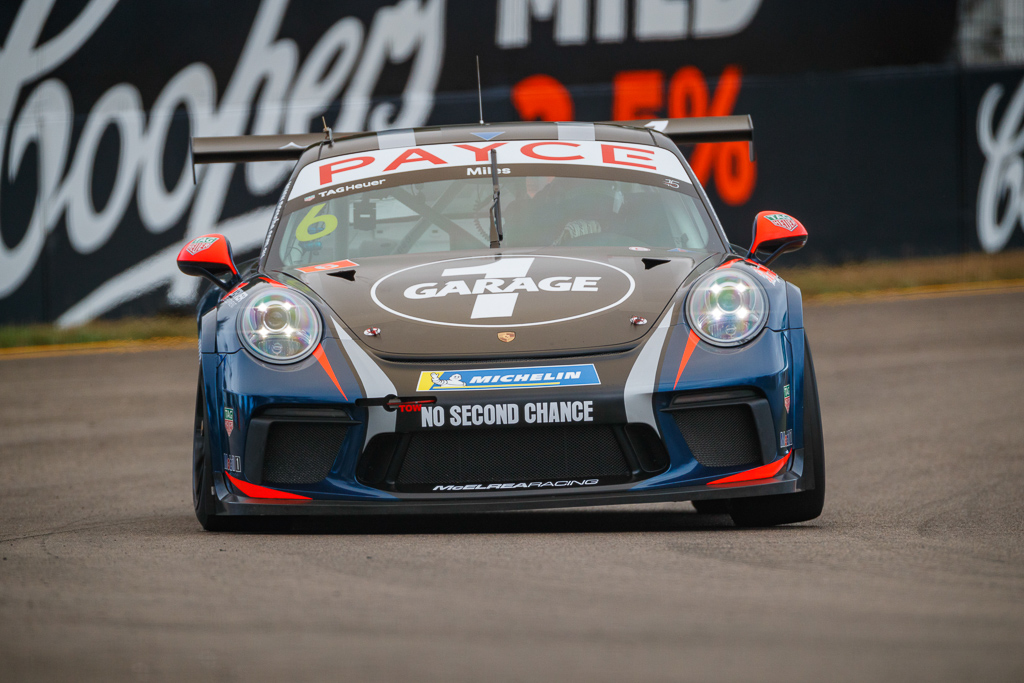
203	498
789	508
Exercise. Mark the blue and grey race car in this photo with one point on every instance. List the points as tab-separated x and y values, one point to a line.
501	317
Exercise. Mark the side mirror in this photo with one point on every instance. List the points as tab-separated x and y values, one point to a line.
775	234
209	256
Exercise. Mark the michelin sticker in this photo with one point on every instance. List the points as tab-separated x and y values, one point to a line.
508	378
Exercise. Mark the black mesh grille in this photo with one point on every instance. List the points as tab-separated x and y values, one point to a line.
512	455
720	436
301	452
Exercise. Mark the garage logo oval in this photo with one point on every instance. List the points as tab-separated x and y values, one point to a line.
520	291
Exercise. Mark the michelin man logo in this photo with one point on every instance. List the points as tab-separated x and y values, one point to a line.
453	381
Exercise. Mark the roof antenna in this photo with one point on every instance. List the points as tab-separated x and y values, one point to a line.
479	92
328	138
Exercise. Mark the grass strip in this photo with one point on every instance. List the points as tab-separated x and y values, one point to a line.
878	276
125	329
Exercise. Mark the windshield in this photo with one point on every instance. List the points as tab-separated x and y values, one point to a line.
448	209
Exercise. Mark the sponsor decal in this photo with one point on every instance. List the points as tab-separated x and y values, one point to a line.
786	438
771	276
508	378
372	331
487	414
473	291
333	265
229	420
785	396
366	169
200	244
517	485
639	249
233	463
637	320
234	298
506	336
342	189
783	221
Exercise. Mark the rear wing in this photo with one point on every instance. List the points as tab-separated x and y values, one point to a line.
239	149
699	129
245	148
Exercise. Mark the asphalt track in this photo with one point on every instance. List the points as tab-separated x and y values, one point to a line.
914	572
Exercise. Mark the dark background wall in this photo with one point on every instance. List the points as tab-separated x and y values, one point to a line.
866	126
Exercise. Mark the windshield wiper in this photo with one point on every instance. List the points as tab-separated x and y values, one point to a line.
496	234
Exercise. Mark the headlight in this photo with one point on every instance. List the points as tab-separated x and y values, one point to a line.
727	307
279	326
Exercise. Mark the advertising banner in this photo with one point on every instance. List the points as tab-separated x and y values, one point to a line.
856	127
993	170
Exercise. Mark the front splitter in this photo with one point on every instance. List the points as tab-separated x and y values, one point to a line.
233	504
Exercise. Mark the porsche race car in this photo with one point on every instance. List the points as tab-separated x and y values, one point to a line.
501	317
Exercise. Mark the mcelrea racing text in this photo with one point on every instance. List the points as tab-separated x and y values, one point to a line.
507	414
519	485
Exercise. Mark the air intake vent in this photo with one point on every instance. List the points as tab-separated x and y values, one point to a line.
301	452
513	455
720	436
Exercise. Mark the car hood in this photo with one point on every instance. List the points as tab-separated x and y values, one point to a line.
465	304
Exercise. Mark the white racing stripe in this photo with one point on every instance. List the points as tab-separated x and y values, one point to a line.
644	375
375	383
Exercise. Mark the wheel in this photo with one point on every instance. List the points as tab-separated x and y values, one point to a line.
793	507
202	471
715	506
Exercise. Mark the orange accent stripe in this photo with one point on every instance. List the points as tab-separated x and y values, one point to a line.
728	263
254	491
322	357
691	344
763	472
274	283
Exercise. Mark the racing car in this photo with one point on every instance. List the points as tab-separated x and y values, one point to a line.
497	317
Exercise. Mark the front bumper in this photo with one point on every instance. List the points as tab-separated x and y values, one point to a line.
230	503
764	367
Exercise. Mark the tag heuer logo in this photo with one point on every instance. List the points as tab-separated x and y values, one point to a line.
200	244
782	220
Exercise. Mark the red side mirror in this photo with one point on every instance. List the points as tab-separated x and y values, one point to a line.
209	256
776	233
